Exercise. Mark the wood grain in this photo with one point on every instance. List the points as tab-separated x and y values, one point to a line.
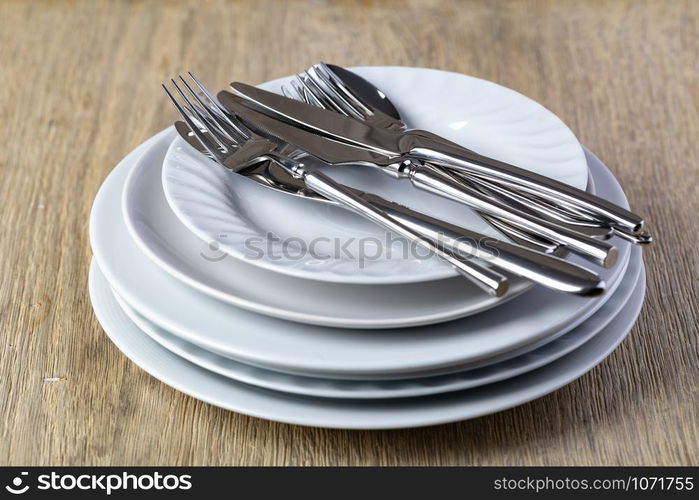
81	89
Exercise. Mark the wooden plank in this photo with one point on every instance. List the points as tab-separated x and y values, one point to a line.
81	89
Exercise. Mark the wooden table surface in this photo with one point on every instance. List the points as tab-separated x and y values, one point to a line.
81	89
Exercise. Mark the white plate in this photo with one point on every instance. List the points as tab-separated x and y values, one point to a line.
531	318
350	414
168	243
384	389
239	215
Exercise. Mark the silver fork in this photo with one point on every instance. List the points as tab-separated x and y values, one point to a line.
321	78
351	91
235	146
321	87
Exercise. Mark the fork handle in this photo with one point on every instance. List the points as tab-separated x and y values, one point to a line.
541	268
429	179
491	281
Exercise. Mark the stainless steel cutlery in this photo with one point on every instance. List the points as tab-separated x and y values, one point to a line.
331	116
271	160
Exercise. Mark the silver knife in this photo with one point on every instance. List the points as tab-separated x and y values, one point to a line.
391	146
424	178
339	85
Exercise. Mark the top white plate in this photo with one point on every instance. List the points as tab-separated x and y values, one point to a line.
315	241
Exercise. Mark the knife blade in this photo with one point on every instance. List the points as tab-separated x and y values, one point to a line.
326	148
320	121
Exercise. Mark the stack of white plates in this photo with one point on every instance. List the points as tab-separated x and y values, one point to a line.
207	280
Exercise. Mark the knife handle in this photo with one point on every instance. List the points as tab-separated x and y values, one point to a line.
547	270
431	180
491	281
442	153
536	208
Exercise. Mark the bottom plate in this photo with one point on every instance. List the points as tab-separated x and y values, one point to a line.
351	414
384	389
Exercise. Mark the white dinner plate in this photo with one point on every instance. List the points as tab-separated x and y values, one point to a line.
343	413
385	389
167	242
239	215
531	318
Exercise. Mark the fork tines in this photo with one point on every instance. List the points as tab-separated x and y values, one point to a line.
319	87
214	127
